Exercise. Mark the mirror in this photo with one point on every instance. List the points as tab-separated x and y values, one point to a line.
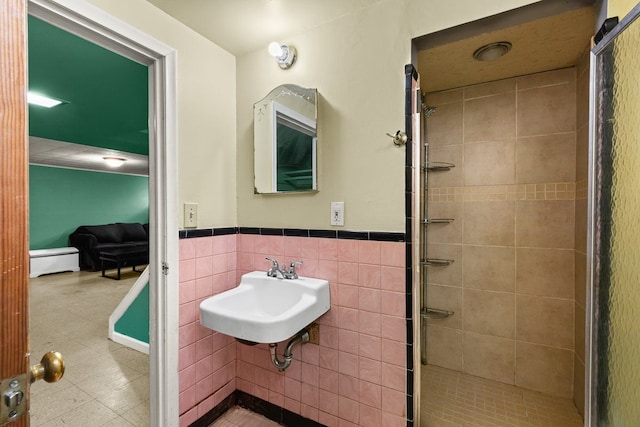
284	139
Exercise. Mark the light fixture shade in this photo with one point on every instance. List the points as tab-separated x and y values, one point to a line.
285	54
492	51
114	162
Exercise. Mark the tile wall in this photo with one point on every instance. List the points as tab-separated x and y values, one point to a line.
206	359
582	160
356	376
512	196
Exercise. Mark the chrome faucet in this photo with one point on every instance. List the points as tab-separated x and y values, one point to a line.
275	269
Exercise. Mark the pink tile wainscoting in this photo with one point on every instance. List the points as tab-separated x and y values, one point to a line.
356	376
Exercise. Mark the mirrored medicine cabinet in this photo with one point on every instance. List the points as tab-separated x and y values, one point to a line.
285	139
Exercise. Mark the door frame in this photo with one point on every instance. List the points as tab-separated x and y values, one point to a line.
91	23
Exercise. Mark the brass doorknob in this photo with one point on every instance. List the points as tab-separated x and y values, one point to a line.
50	368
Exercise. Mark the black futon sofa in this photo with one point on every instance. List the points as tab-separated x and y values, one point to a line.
92	239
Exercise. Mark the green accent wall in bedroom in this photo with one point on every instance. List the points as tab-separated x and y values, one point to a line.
60	200
134	322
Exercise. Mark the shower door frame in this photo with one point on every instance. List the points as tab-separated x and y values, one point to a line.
593	243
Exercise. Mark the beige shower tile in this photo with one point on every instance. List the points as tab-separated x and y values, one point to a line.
581	225
445	233
578	384
451	177
581	279
546	110
582	153
582	99
446	298
545	272
445	274
489	357
545	224
563	75
491	88
579	332
549	158
490	163
489	223
443	97
444	347
544	320
445	126
545	369
489	313
489	268
490	118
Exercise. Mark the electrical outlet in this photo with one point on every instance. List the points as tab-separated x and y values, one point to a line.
337	213
190	215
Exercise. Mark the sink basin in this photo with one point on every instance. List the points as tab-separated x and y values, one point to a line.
265	309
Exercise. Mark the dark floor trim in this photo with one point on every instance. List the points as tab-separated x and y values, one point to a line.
257	405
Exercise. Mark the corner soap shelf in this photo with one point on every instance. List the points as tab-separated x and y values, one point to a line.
437	220
436	261
438	166
435	313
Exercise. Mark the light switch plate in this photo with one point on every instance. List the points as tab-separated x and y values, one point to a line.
190	215
337	213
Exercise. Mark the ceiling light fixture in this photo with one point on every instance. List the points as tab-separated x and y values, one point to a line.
41	100
114	162
285	55
492	51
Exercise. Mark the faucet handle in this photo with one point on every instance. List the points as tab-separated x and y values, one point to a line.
292	268
273	270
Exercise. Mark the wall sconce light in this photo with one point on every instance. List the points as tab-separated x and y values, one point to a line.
285	55
114	162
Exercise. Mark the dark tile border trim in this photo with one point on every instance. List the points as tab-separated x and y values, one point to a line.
257	405
379	236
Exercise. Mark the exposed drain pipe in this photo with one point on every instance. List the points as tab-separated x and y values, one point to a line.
300	338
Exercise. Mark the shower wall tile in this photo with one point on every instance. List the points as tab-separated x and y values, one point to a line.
490	118
445	127
580	333
480	166
581	279
445	233
445	274
446	298
444	347
548	158
519	224
491	88
448	154
546	110
545	272
548	78
545	369
578	385
489	223
489	357
490	268
545	224
547	321
489	313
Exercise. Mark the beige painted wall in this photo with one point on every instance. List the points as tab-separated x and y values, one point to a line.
206	111
620	8
357	65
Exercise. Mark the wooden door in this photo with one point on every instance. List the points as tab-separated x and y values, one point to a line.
14	259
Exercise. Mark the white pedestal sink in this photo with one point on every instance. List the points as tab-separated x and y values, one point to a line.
265	309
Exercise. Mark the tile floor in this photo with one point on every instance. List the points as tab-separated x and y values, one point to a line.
105	384
451	398
241	417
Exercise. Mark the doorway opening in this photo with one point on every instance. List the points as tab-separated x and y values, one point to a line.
92	24
503	241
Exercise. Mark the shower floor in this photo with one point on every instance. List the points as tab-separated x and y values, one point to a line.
451	398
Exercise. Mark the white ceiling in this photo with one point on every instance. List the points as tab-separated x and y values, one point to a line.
47	152
241	26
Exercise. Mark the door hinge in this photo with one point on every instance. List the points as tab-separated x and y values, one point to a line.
165	268
13	395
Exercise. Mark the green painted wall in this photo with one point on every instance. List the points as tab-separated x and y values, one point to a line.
134	322
60	200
